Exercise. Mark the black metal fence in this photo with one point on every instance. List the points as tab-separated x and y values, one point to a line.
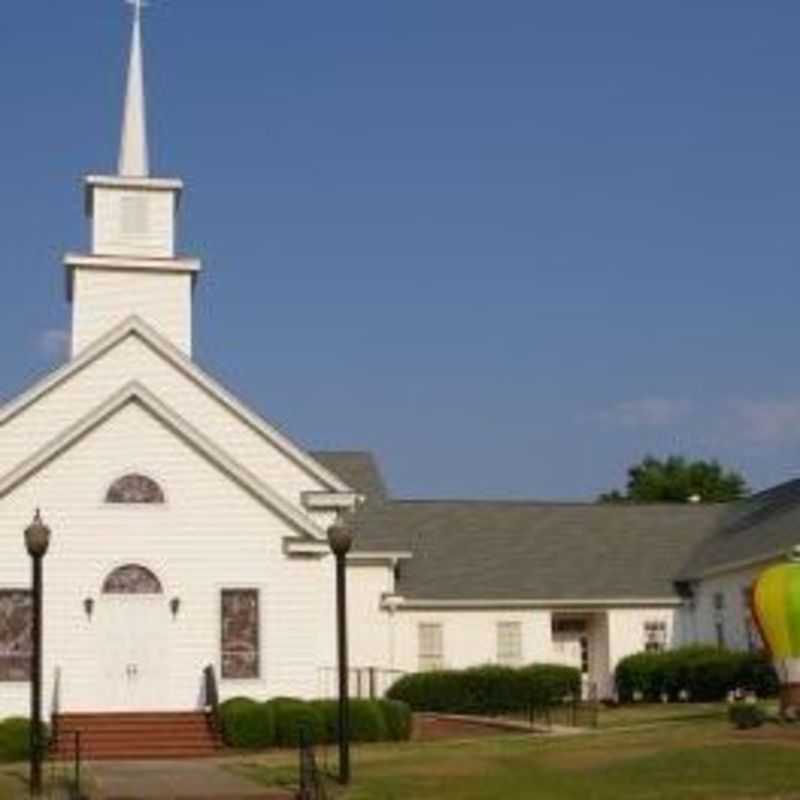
312	778
366	683
566	713
63	773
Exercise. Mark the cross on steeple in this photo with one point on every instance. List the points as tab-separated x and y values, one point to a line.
133	154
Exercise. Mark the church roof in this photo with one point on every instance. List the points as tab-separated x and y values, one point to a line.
534	551
357	468
758	528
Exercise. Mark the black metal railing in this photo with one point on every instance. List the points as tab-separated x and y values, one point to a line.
567	712
211	691
366	683
63	759
312	779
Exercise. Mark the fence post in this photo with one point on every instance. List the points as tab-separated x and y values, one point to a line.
78	763
372	683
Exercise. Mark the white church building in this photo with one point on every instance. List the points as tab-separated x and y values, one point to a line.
188	531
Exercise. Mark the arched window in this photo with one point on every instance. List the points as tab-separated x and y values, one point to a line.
132	579
137	489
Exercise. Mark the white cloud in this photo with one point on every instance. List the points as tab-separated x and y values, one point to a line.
767	422
648	412
54	344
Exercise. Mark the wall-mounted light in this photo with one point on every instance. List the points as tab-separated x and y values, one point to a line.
175	606
88	607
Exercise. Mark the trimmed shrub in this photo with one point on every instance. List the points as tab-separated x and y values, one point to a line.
291	716
366	722
746	715
487	690
248	724
757	674
329	711
546	684
15	737
707	673
398	718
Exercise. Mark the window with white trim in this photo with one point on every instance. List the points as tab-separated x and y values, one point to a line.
509	643
655	636
431	646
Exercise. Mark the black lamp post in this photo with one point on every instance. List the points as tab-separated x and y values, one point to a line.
37	540
340	538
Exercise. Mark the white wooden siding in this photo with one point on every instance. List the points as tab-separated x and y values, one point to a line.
210	535
132	359
149	233
104	298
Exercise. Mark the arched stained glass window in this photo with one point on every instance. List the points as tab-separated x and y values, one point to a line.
136	489
132	579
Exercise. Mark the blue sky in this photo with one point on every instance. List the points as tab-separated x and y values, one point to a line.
510	246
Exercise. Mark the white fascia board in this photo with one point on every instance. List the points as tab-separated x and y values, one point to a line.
127	182
162	266
133	263
135	391
135	326
378	557
555	605
355	558
330	501
299	547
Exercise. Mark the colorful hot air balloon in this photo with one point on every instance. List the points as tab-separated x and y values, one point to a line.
776	607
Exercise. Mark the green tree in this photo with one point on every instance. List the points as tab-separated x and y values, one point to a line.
678	480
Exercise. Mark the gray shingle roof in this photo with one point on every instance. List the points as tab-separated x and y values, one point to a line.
485	550
536	551
358	469
757	527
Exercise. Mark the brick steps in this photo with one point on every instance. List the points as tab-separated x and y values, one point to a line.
136	736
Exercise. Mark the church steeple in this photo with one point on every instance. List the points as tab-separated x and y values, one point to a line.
132	268
134	159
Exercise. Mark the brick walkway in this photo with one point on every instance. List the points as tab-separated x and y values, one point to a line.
174	780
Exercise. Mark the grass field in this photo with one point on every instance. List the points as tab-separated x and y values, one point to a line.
655	753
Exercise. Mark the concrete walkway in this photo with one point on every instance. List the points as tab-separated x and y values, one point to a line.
173	780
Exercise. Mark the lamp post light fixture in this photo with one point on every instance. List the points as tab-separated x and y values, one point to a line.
340	538
37	540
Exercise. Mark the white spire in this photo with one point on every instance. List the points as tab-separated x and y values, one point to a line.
133	155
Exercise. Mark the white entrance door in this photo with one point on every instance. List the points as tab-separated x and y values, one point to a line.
134	652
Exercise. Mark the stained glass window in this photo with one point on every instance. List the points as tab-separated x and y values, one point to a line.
132	579
16	622
136	489
240	634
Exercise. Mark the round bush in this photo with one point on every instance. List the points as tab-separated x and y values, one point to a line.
248	724
292	716
746	715
15	737
398	719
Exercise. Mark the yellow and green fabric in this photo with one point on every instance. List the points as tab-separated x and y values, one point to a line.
776	605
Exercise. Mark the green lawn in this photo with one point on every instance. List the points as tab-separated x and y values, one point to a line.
638	755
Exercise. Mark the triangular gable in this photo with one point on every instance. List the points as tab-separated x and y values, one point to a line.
136	392
135	326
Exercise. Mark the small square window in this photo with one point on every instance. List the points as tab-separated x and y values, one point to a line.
655	636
